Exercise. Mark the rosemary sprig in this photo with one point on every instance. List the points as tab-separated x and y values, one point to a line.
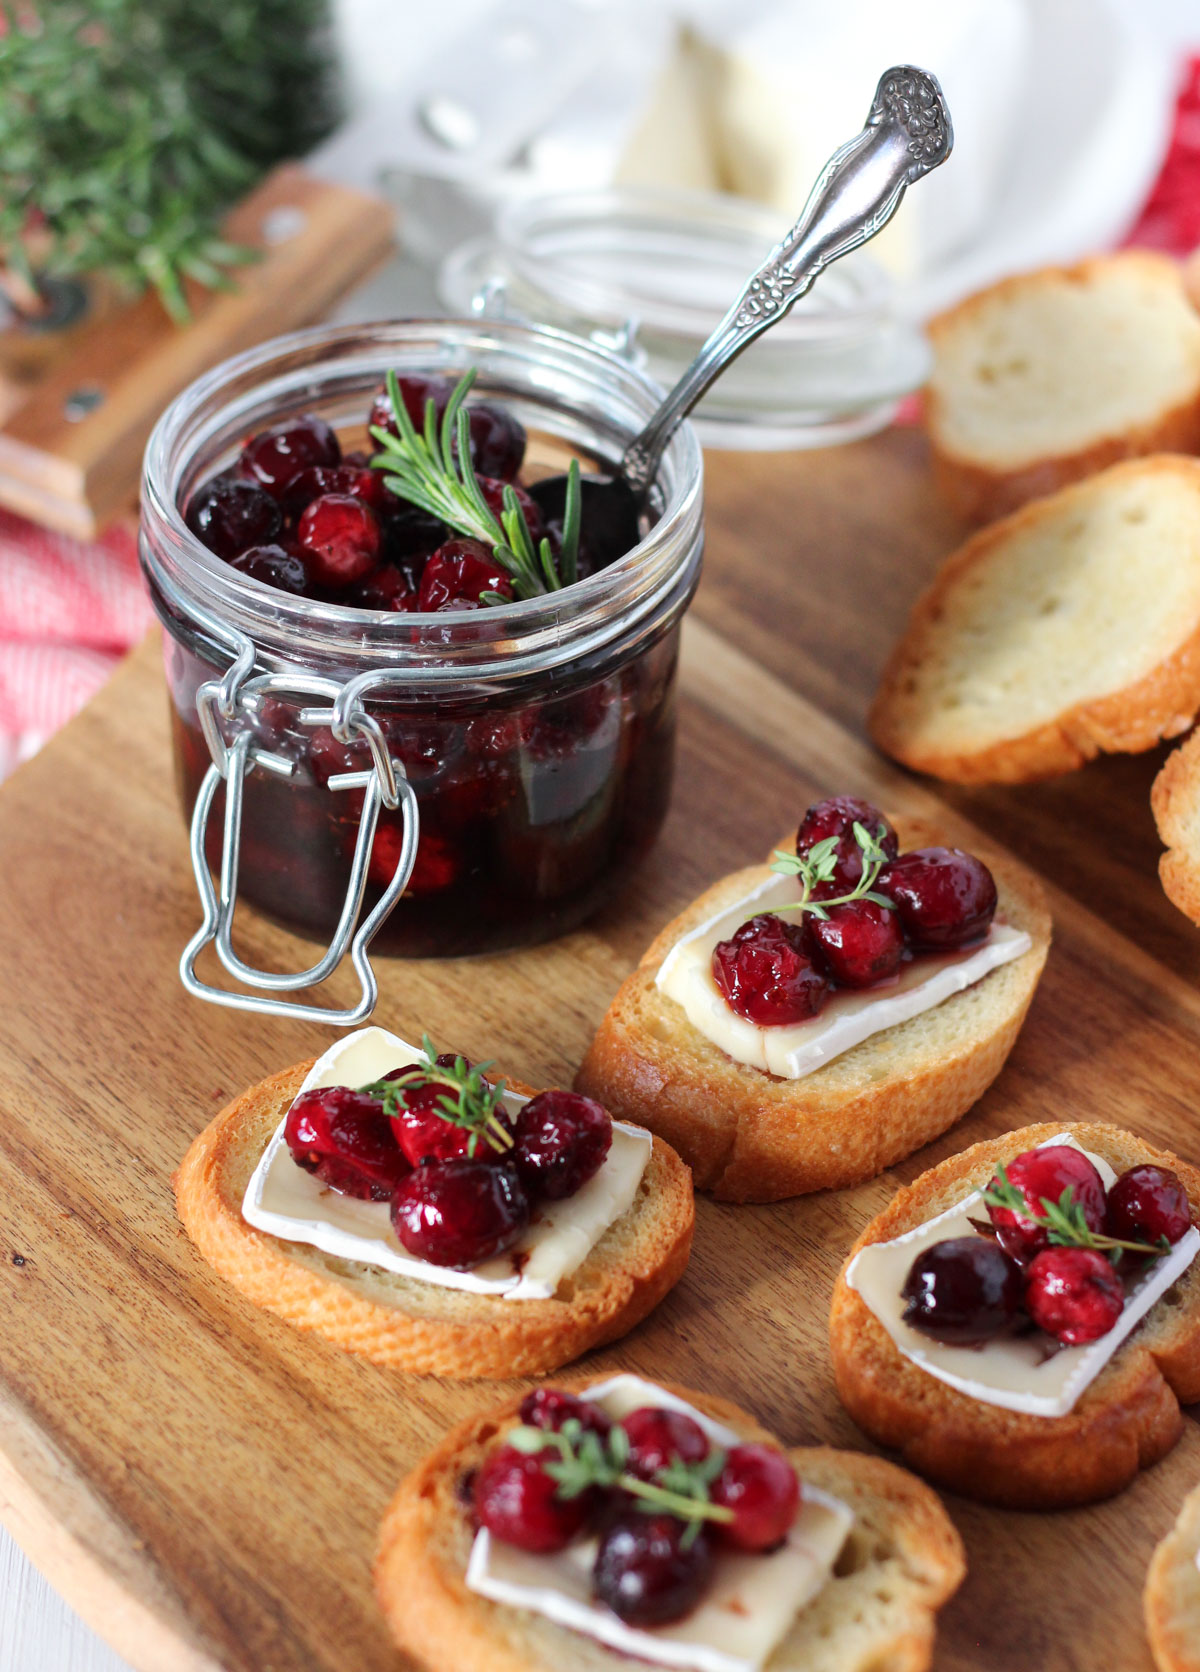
1063	1221
819	864
434	471
469	1100
585	1460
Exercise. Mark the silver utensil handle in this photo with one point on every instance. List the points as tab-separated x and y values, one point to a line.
907	134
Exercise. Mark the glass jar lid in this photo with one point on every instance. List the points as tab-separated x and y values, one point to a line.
651	271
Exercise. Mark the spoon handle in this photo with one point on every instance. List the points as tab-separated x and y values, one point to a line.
907	133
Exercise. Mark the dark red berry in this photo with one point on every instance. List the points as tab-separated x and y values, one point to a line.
658	1437
945	898
415	390
347	1141
341	537
1074	1294
492	490
517	1501
765	972
412	533
760	1486
646	1571
420	1129
857	944
275	457
550	1408
457	573
459	1212
228	515
345	478
562	1139
497	440
1041	1175
962	1291
385	588
273	566
1148	1204
837	817
437	864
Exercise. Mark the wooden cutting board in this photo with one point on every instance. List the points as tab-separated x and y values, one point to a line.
203	1482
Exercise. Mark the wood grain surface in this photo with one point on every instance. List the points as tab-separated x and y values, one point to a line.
204	1483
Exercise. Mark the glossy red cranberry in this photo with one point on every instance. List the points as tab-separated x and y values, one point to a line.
385	588
458	573
1041	1175
658	1437
228	515
517	1501
275	457
962	1291
273	566
550	1408
760	1486
341	537
497	440
646	1571
765	972
1073	1294
858	944
358	481
459	1212
492	489
1149	1204
945	898
837	817
347	1141
421	1131
416	390
561	1142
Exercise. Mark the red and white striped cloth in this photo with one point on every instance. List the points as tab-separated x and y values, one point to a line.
69	611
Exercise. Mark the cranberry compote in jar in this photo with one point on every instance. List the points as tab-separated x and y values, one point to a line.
536	734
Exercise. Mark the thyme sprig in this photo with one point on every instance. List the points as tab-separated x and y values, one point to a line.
433	470
585	1460
469	1100
819	864
1063	1221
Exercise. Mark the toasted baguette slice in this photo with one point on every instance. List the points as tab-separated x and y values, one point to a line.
1126	1420
409	1325
1172	1596
1068	629
902	1561
1175	801
1047	377
749	1137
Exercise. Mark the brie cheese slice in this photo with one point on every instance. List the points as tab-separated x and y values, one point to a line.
288	1202
791	1052
744	1616
1016	1373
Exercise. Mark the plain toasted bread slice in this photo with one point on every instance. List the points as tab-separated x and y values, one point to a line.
902	1561
1047	377
1175	801
1126	1420
749	1137
406	1324
1172	1595
1069	629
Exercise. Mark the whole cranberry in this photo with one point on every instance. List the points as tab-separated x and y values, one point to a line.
341	537
1041	1175
356	480
227	515
550	1408
648	1573
385	588
1073	1294
837	817
1148	1204
410	532
457	573
497	440
765	972
492	489
945	898
275	457
962	1291
416	389
658	1437
459	1212
562	1140
517	1501
273	566
760	1486
347	1141
421	1129
857	944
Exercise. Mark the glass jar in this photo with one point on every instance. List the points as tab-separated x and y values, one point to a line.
537	737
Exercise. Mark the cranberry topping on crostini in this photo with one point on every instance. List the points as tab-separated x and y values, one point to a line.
650	1571
963	1291
760	1486
766	973
561	1140
834	819
1041	1176
518	1500
459	1212
346	1139
1073	1294
1148	1204
945	898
